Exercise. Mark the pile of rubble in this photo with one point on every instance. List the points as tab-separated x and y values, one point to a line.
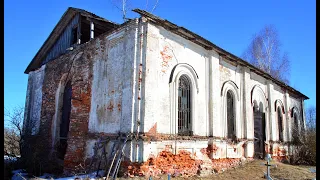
181	164
219	165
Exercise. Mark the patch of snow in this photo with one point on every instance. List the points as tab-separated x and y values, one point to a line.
20	174
92	176
10	158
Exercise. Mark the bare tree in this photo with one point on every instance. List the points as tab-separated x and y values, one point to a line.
311	118
11	143
264	53
304	140
13	130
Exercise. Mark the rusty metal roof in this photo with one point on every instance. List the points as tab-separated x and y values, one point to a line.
58	29
187	34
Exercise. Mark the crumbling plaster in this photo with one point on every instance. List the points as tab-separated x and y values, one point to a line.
126	81
111	85
165	50
34	101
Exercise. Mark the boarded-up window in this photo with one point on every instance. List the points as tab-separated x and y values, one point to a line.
230	115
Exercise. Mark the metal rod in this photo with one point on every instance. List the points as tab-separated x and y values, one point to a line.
112	163
91	30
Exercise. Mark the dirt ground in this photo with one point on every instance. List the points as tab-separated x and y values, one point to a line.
255	170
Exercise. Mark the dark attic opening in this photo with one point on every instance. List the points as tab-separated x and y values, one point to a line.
91	28
74	34
75	28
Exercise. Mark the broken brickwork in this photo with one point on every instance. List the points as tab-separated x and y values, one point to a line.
79	67
181	164
126	81
73	67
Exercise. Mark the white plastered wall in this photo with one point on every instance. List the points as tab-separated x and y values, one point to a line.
165	50
34	100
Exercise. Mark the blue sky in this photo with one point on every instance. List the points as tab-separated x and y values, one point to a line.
228	24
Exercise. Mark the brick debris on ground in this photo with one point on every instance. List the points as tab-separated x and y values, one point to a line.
183	164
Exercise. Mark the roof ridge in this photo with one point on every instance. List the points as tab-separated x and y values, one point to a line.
85	12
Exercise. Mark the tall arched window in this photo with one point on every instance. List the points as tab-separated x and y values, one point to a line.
295	119
184	106
65	120
230	115
295	128
280	123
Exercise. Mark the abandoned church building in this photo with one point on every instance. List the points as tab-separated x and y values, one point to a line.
152	86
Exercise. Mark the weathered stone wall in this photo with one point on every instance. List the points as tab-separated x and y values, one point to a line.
33	102
215	74
116	88
164	51
126	81
101	77
112	83
75	67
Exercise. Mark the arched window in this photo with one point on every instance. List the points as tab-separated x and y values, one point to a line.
65	120
184	106
280	123
183	89
295	128
302	126
295	121
230	115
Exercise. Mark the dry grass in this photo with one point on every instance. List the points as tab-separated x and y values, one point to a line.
255	170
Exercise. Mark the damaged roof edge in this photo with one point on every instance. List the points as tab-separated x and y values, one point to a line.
71	11
210	46
28	69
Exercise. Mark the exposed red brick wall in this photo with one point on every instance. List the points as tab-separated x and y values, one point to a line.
181	164
152	131
212	148
220	165
80	76
81	101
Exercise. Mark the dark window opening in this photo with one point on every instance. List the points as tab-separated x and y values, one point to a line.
280	124
230	116
65	120
74	35
301	126
85	32
296	121
184	107
295	128
100	27
259	130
